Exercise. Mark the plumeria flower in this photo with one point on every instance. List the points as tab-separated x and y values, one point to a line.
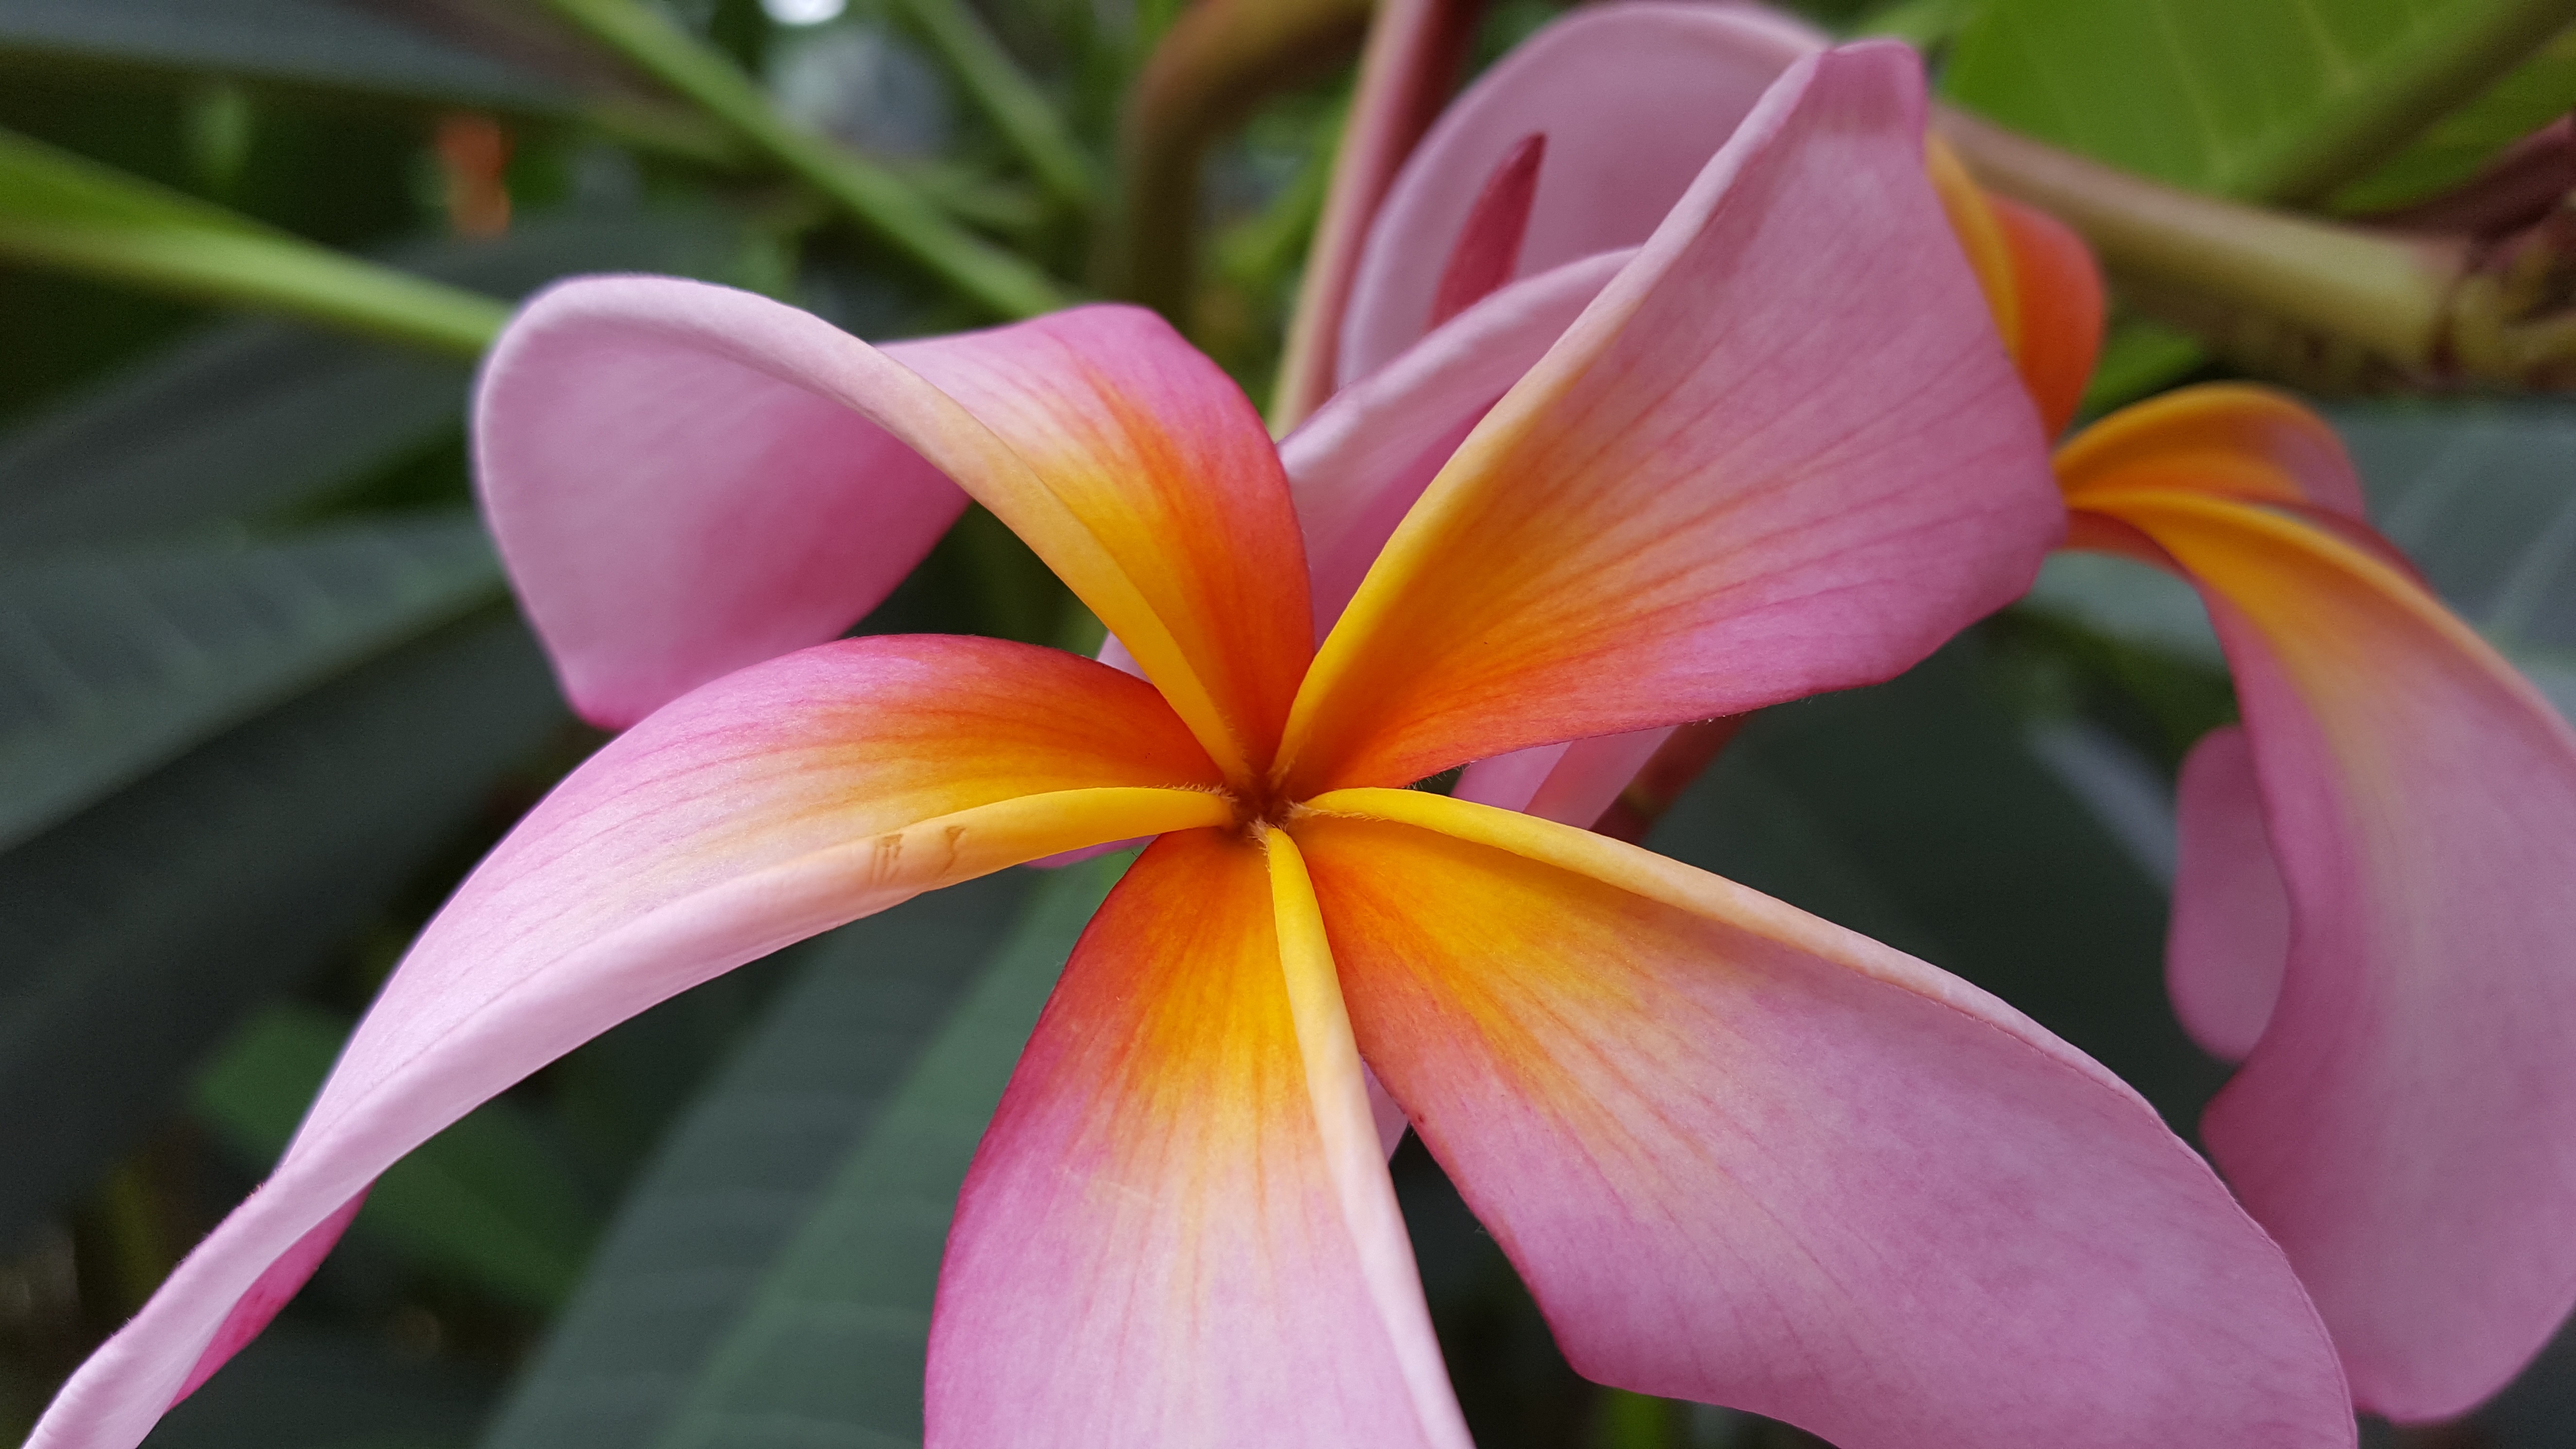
1739	1154
2372	906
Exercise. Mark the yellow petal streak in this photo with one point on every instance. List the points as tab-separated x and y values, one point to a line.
1981	236
994	474
1352	1154
1656	878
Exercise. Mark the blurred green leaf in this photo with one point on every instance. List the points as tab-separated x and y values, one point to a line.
1000	281
2280	100
254	416
134	936
296	1387
830	1344
487	1199
300	41
60	210
113	662
1019	110
737	1179
1919	812
2455	148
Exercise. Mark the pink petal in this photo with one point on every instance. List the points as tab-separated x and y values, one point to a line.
1155	1246
1743	1156
680	479
670	509
780	801
1571	783
1633	99
2406	1126
1488	251
1359	464
2231	921
1718	489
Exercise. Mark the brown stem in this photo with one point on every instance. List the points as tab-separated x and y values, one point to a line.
1407	70
1218	61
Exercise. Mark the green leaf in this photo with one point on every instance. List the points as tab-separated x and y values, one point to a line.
112	663
255	416
830	1345
2282	100
1018	109
1920	812
298	41
2458	146
134	936
295	1387
487	1198
1000	281
735	1181
2478	494
60	210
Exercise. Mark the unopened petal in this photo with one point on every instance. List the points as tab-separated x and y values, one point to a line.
1718	490
1746	1157
1632	100
779	802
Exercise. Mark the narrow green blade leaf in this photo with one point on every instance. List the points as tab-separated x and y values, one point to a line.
831	1345
1917	812
1000	281
736	1180
2280	100
256	416
134	936
298	41
112	663
60	210
1019	110
486	1198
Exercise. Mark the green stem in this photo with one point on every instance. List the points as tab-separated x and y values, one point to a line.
64	211
2406	88
999	280
1017	107
2385	294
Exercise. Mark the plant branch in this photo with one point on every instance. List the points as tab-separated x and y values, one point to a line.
2406	89
999	280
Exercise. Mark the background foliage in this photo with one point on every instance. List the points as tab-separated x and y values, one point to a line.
263	697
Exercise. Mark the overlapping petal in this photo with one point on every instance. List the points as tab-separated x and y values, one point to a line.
2406	1124
1359	463
672	510
1744	1156
686	478
2230	933
1632	100
781	801
1717	490
2228	440
1156	1244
